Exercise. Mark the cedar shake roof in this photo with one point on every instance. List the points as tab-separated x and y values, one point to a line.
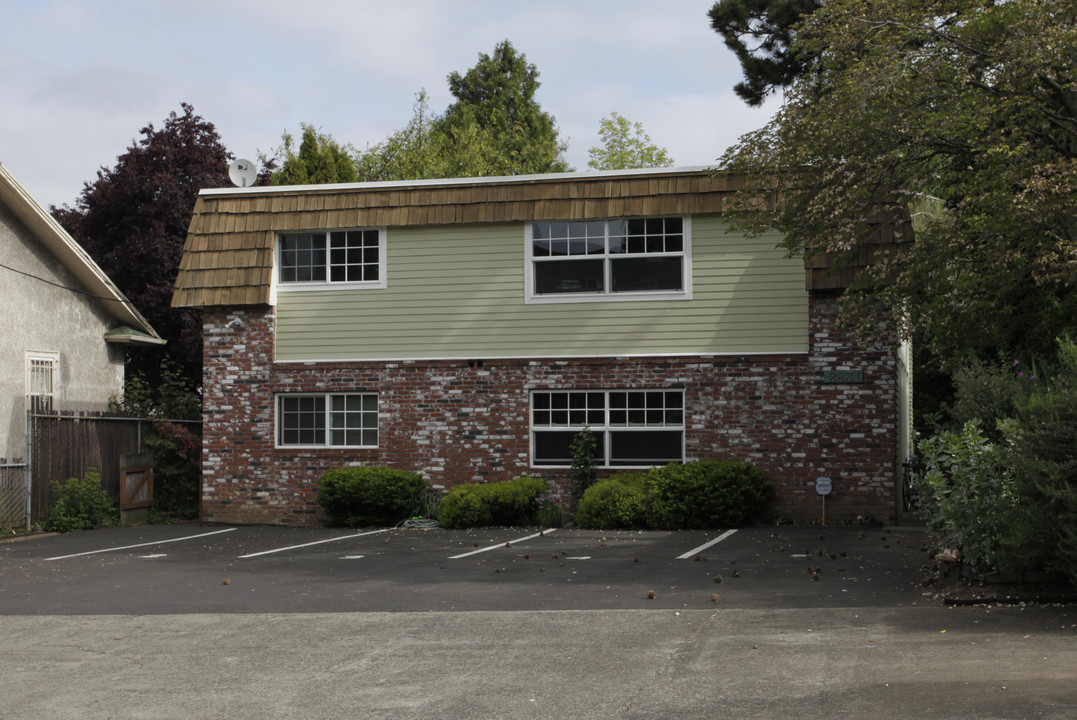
228	255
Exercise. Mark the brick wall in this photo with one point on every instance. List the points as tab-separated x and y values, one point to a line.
460	421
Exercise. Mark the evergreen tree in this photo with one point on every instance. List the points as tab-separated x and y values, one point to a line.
320	159
496	122
761	33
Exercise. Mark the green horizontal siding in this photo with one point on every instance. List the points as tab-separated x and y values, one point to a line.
458	292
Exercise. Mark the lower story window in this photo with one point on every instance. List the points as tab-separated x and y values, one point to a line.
328	420
632	428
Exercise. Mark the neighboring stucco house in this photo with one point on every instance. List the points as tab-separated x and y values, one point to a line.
469	328
64	324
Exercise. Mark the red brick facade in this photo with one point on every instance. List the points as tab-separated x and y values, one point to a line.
459	421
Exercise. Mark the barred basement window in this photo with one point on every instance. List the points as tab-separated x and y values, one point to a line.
329	420
40	381
632	428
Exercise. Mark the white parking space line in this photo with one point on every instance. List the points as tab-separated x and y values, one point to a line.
706	545
145	544
501	545
316	542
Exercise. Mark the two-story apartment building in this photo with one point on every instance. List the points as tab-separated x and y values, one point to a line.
468	328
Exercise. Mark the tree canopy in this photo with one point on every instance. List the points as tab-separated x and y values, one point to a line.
494	127
964	111
319	159
760	33
133	221
625	145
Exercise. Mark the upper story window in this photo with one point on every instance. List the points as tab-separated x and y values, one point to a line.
355	257
624	258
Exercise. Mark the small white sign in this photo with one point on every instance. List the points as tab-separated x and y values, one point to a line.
824	485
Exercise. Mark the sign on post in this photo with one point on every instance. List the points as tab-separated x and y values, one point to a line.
824	486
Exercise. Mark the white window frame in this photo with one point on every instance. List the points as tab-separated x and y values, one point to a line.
327	420
607	427
685	293
34	361
303	286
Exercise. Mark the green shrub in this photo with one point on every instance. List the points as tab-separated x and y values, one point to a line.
378	495
968	494
582	475
177	471
706	494
511	502
81	504
618	502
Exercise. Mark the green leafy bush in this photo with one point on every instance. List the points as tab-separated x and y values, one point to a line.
618	502
81	504
968	496
1007	499
378	495
511	502
582	475
177	471
679	496
707	494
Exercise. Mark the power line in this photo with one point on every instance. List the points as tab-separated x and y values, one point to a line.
55	284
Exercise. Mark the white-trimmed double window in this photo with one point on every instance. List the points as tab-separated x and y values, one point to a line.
632	428
331	257
622	258
41	380
327	420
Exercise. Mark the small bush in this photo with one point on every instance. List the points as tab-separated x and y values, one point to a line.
968	497
707	494
511	502
615	503
81	505
378	495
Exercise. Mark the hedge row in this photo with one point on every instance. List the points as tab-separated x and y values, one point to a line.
695	495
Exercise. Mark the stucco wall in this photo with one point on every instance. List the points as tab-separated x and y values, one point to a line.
459	421
44	310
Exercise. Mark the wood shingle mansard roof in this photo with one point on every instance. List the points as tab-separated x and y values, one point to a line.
228	255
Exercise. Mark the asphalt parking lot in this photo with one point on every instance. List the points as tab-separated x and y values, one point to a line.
193	569
206	623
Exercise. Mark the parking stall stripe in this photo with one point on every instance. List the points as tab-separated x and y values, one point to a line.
500	545
145	544
706	545
316	542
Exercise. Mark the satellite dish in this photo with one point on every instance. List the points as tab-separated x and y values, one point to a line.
242	173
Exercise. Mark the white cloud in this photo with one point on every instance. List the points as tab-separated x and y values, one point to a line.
80	79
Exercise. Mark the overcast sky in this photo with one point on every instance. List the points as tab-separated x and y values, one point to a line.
79	78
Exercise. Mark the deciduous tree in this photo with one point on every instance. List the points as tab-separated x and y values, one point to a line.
966	112
625	145
133	221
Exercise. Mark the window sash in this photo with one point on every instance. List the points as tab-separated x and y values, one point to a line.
333	256
609	257
328	420
632	428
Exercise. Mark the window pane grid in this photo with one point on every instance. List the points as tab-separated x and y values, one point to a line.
631	427
328	420
656	246
336	256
